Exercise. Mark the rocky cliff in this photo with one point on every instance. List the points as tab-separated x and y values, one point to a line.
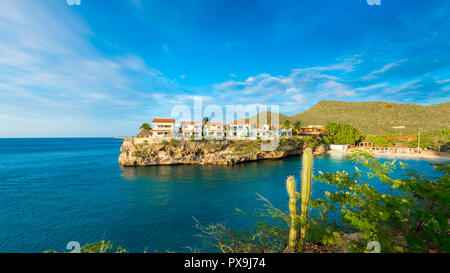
206	152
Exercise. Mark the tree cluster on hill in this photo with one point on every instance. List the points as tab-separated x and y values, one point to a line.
343	133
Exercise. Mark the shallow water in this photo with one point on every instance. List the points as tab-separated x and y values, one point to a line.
53	191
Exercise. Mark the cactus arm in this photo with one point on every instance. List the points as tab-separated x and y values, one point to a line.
305	193
293	233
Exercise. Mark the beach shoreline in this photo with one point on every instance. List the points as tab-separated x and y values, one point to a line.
423	155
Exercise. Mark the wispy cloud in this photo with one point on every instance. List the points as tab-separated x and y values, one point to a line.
52	68
374	74
55	71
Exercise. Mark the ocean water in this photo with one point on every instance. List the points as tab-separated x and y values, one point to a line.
53	191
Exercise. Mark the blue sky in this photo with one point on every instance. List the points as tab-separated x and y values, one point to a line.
104	67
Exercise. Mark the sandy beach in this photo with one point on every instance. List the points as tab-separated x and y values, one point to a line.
439	156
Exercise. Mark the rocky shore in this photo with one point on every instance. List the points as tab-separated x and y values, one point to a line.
207	152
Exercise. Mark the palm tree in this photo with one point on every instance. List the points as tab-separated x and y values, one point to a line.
439	140
298	126
287	123
204	122
145	126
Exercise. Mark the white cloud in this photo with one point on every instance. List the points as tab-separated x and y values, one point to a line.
373	74
50	69
298	99
292	90
410	85
345	93
443	81
371	87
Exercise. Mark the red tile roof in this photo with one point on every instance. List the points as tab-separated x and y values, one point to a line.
215	124
239	123
402	138
189	122
163	120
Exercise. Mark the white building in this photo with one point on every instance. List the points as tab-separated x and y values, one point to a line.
191	129
214	130
339	147
240	130
163	127
285	132
264	132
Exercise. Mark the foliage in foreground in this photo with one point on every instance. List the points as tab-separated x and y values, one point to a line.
98	247
409	214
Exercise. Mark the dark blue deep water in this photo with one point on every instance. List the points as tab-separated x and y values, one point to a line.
53	191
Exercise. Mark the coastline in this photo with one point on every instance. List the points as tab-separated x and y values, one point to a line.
423	155
207	153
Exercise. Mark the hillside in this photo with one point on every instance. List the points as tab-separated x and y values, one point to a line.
268	115
378	117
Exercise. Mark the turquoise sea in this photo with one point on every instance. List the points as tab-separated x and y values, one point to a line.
53	191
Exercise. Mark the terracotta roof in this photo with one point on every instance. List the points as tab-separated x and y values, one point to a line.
215	123
402	138
189	122
239	123
163	120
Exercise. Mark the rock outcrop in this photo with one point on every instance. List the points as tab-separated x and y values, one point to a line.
205	152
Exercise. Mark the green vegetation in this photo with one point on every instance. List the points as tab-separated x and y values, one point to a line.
98	247
205	121
376	117
287	123
172	142
311	142
379	141
145	126
409	215
297	221
140	154
293	232
440	139
298	126
393	220
264	118
435	140
243	147
342	133
307	160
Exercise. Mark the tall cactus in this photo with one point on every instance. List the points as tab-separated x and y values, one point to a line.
305	193
293	233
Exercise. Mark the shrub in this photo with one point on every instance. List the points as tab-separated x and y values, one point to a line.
413	218
410	215
140	154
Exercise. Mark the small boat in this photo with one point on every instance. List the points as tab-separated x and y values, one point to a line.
436	164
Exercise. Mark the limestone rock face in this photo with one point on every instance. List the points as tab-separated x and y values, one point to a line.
320	150
203	152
